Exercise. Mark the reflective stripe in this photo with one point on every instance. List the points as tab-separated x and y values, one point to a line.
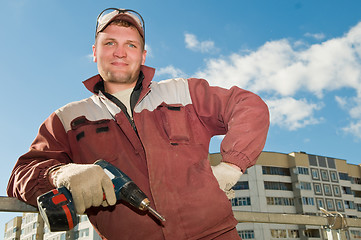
172	91
97	107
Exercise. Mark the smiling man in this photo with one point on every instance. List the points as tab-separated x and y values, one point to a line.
158	133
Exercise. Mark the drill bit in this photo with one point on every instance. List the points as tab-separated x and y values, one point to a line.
156	214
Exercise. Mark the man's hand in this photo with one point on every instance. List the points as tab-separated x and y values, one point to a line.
87	183
227	176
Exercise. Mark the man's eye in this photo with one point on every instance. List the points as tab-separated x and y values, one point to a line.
132	45
109	43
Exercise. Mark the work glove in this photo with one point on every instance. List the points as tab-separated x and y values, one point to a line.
227	176
87	183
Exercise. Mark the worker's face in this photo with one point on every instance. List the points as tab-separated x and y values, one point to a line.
119	54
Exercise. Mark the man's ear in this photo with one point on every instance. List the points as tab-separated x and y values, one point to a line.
144	56
94	54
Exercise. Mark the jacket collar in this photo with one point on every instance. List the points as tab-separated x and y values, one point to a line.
93	83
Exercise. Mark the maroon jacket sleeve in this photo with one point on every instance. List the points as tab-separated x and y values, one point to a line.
239	114
29	179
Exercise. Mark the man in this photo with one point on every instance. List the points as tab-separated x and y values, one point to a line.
158	133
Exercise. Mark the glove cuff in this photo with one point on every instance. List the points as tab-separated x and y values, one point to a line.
51	170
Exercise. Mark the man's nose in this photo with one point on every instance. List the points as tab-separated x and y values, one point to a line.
120	52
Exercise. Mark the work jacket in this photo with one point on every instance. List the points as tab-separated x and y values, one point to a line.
163	148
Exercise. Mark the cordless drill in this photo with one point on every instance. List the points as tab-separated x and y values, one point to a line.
57	207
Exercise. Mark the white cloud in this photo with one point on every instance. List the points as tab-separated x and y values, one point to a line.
342	101
293	114
283	69
171	71
193	44
317	36
354	129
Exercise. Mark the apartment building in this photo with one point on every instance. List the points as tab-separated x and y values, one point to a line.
297	183
12	229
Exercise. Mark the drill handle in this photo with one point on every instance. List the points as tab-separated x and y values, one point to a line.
125	189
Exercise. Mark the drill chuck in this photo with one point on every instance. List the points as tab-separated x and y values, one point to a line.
145	205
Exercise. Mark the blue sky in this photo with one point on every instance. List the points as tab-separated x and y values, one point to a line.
302	57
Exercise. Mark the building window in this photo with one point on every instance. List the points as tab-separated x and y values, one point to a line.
246	234
320	203
327	189
346	190
355	180
278	233
333	176
308	201
241	186
278	186
84	233
241	201
312	233
358	207
355	234
312	160
293	233
276	171
322	161
343	176
330	205
315	175
305	185
331	163
302	170
280	201
339	205
336	190
318	189
324	175
349	204
356	194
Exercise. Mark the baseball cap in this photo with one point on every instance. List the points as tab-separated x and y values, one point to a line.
110	14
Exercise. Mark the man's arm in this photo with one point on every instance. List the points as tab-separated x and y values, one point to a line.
29	177
238	114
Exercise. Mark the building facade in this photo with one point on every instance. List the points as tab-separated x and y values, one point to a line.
12	229
297	183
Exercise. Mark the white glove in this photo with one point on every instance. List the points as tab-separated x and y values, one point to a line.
227	176
87	184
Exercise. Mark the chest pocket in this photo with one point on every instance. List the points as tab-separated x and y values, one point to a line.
175	122
93	140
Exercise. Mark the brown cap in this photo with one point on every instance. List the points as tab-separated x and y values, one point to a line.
107	16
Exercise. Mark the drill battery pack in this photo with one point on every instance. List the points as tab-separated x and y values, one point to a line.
57	209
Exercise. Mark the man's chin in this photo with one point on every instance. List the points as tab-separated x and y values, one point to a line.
120	78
